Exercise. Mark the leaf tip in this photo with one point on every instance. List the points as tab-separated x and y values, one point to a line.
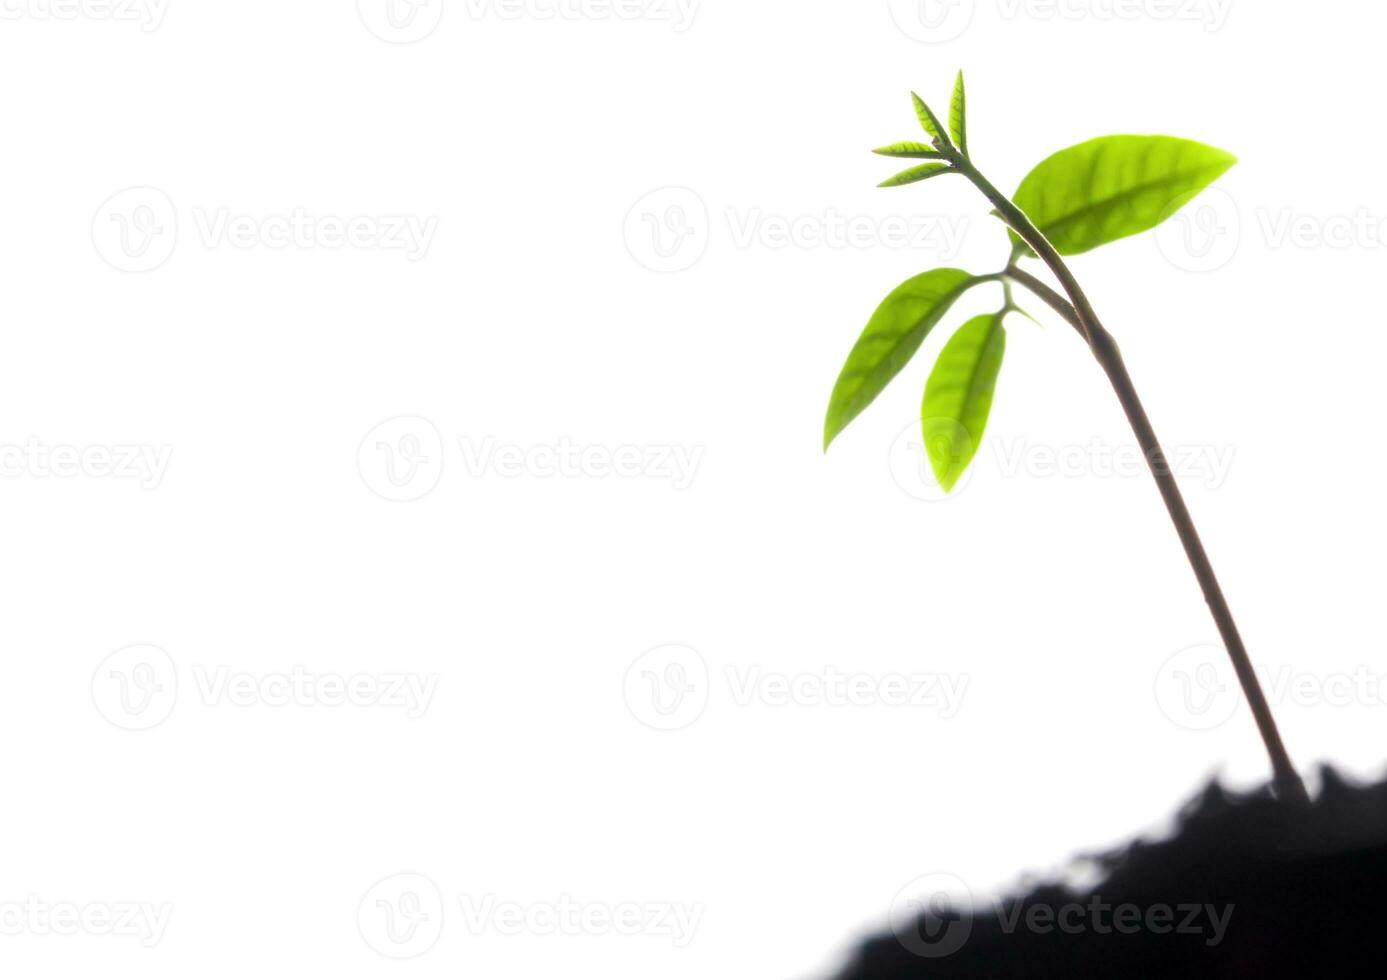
831	428
946	472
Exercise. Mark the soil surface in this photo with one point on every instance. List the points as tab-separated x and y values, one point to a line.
1246	887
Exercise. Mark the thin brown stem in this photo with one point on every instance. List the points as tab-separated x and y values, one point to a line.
1079	313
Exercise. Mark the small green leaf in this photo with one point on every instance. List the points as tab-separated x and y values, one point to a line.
1026	313
891	338
918	151
958	396
923	172
1115	186
927	118
958	116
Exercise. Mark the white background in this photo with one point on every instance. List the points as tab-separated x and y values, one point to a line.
534	320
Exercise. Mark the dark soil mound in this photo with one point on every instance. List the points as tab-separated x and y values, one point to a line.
1247	887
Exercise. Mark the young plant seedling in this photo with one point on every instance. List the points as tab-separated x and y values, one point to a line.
1073	201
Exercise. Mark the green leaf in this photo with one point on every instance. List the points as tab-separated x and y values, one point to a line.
891	338
922	172
958	116
958	396
1026	313
919	151
927	118
1115	186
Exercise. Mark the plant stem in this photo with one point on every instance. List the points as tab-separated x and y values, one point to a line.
1080	314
